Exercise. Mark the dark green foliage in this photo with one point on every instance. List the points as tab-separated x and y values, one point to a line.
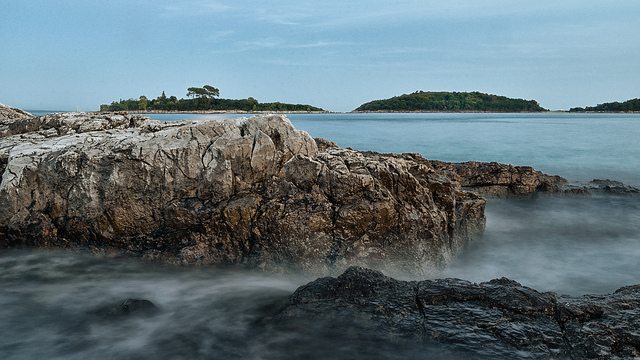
629	105
451	101
202	99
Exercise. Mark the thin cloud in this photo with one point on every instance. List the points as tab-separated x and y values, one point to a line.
278	43
218	36
193	8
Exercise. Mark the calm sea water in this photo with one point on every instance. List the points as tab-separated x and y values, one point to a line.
571	245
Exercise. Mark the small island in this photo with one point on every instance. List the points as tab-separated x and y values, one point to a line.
632	105
428	101
203	99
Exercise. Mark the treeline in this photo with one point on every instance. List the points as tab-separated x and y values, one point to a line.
627	106
201	99
451	101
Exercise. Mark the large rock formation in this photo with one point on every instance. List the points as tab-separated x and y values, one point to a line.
499	319
252	191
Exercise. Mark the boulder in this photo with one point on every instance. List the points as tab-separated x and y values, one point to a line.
255	192
499	319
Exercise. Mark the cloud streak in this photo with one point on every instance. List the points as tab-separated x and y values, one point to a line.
193	8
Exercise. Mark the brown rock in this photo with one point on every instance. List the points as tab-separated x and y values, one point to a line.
501	180
252	191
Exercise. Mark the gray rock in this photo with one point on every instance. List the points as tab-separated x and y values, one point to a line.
499	319
611	187
9	113
255	192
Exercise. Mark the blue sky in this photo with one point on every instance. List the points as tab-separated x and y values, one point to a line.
63	54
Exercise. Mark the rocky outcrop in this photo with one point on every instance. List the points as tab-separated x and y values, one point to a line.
600	186
252	191
9	113
499	319
500	180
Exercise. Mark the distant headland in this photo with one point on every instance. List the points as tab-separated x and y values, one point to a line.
203	99
206	100
428	101
632	105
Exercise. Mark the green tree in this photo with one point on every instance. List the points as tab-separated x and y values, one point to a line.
142	104
210	91
195	92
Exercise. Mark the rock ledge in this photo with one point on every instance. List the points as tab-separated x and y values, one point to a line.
499	319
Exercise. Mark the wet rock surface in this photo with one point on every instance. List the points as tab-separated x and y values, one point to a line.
499	319
129	307
252	191
600	186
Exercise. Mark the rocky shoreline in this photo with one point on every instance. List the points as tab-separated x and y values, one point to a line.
222	112
499	319
254	192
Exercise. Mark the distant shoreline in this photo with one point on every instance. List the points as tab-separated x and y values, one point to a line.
223	112
496	112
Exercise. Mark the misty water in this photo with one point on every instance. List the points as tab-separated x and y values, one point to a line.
52	302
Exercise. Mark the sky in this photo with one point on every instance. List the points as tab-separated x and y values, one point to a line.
72	54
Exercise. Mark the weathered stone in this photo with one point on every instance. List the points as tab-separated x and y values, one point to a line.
501	180
9	113
499	319
251	191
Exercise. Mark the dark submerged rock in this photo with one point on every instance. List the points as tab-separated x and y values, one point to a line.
598	187
129	307
499	319
611	187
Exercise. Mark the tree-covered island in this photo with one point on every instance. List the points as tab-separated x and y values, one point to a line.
428	101
632	105
202	99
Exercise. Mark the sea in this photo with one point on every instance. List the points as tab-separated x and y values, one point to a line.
574	245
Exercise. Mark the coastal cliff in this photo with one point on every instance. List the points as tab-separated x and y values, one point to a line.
255	192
